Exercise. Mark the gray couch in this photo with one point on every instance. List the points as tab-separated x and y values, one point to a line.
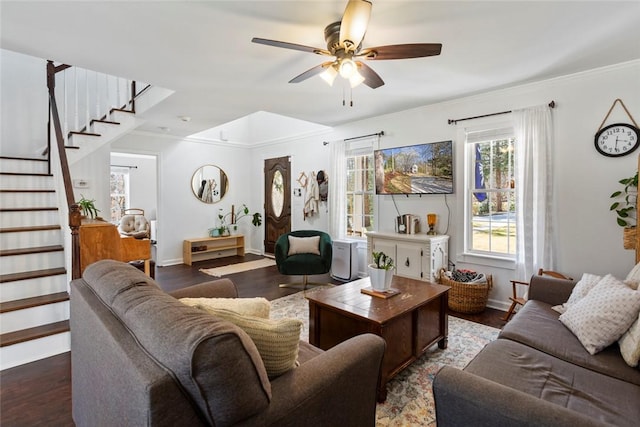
537	373
142	358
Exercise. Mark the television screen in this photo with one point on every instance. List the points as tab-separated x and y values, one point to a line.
415	169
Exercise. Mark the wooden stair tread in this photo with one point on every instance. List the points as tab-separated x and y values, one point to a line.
27	191
25	174
30	228
25	275
34	250
42	208
122	110
73	147
16	337
109	122
73	132
23	158
21	304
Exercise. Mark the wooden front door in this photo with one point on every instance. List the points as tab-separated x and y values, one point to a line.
277	201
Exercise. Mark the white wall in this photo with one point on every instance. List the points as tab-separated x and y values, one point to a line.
24	104
180	214
143	181
588	237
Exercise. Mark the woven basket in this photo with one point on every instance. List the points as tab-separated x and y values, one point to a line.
467	297
629	237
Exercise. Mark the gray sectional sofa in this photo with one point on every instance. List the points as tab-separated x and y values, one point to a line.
139	357
537	373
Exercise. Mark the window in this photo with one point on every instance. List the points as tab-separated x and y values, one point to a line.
491	193
360	192
119	192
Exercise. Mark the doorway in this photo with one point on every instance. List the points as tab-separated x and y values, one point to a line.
277	200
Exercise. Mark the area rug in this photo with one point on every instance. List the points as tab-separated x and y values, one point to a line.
409	396
238	268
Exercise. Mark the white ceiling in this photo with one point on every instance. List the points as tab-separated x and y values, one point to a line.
203	51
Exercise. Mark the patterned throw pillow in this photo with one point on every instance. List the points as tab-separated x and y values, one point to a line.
582	288
258	307
603	315
629	344
633	278
277	340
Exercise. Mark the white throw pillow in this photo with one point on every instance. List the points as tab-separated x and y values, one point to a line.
258	307
304	245
582	288
629	344
601	317
633	278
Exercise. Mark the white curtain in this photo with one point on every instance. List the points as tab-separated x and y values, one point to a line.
337	190
534	138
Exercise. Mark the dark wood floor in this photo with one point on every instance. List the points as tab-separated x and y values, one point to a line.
39	393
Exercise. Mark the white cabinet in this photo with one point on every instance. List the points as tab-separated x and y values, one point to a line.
417	256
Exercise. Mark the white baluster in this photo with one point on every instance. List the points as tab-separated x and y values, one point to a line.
119	102
76	115
86	94
97	96
64	107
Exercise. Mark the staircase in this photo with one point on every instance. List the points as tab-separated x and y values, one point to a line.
34	299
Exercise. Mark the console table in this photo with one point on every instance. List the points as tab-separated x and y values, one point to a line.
416	256
203	248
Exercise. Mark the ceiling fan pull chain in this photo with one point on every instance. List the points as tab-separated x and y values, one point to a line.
343	101
351	96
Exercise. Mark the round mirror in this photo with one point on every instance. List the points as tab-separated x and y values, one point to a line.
209	184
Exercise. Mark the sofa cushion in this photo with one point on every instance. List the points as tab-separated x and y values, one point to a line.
629	344
557	381
603	315
258	307
536	325
214	361
277	340
582	288
304	245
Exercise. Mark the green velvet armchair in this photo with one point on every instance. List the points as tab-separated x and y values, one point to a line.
303	263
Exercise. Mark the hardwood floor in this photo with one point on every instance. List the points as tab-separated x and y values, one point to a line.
39	393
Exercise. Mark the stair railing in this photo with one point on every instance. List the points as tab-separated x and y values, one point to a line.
95	96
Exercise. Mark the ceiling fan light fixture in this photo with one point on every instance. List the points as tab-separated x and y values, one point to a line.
347	68
354	23
356	79
329	75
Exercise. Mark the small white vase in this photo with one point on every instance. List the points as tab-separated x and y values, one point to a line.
380	278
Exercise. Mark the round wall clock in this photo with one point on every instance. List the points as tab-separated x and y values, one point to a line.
618	139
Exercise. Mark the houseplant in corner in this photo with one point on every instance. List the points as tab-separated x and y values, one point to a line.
381	271
625	208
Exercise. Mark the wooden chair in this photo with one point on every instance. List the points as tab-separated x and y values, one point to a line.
516	300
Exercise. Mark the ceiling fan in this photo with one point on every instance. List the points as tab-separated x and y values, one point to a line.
344	43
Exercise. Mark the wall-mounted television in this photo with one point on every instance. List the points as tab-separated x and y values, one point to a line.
415	169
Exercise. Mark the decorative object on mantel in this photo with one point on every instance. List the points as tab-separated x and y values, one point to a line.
626	210
224	229
618	139
469	291
381	271
431	221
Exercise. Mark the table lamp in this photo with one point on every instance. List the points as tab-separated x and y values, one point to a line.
431	221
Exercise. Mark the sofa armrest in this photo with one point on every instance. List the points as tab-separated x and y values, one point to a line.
550	289
221	288
461	397
337	387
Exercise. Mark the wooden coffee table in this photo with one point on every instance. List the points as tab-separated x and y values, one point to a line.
410	322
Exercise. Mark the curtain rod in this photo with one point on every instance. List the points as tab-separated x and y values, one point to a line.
124	166
381	133
552	104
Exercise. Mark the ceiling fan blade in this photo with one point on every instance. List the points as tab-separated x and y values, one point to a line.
293	46
401	51
371	78
354	23
311	72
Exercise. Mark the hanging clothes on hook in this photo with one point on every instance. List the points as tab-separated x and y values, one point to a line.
311	197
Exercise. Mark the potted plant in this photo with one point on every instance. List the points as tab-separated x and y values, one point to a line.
88	207
381	271
224	230
625	208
